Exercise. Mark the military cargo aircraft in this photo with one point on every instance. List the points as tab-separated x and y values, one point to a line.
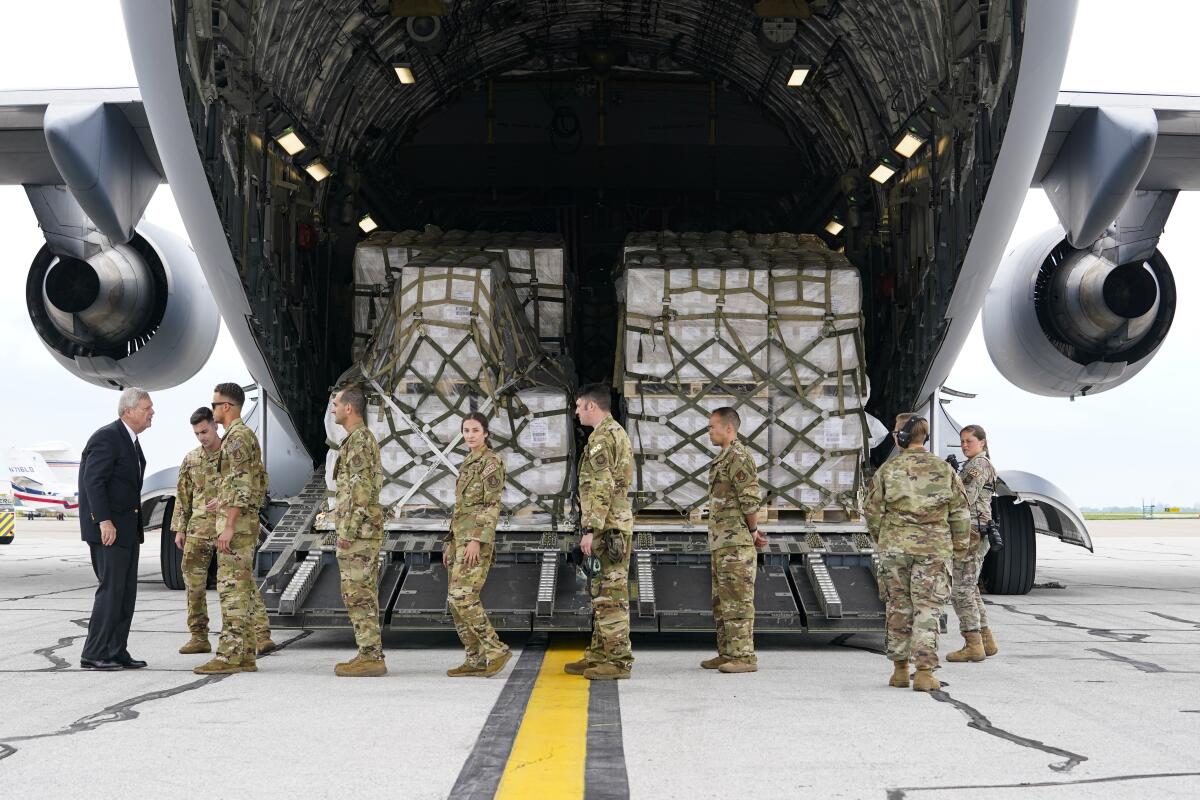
905	134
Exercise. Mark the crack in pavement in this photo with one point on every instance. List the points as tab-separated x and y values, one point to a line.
118	712
1103	633
45	594
1191	622
1144	666
56	662
900	793
981	723
124	710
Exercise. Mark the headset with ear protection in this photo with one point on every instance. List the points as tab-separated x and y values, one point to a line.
904	435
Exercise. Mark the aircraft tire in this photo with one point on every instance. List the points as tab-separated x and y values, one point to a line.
170	556
1011	569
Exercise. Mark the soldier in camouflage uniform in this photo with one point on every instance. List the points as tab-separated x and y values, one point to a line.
243	486
469	550
358	476
605	473
917	513
733	501
979	480
195	526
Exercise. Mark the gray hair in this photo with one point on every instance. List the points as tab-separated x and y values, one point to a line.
130	398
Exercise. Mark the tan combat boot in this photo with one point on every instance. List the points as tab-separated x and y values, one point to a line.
924	680
971	651
264	646
899	677
733	666
362	667
465	670
606	672
578	667
197	644
714	663
219	666
496	664
989	642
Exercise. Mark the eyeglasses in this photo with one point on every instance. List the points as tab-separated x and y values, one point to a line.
221	403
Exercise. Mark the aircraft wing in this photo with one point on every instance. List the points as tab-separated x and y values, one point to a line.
24	155
1174	163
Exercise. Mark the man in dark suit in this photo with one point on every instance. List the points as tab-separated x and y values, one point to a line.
110	520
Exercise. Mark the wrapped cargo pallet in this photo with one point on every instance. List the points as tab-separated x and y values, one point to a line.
455	339
534	263
767	323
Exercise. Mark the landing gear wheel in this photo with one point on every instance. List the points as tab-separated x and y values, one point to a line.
1010	570
170	557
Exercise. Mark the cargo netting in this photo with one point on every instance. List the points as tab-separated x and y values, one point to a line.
535	269
768	324
453	336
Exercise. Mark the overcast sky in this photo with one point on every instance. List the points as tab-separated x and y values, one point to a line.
1138	441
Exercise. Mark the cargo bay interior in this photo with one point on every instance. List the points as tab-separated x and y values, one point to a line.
868	127
870	124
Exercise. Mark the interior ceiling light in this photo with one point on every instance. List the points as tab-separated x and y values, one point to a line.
317	170
833	227
366	224
909	144
290	141
883	172
404	72
799	75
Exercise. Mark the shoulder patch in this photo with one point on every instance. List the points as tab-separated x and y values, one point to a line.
491	466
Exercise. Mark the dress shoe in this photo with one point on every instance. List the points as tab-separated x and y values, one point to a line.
101	663
129	662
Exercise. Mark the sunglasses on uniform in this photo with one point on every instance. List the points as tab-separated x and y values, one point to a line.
221	403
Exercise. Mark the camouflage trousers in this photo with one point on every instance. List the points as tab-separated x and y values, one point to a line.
198	550
470	619
610	601
238	595
915	590
733	572
968	605
358	565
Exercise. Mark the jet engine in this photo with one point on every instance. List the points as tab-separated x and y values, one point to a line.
1062	322
136	314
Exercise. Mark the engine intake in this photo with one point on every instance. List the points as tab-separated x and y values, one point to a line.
133	314
1062	322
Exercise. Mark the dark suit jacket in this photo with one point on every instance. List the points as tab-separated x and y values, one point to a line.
110	485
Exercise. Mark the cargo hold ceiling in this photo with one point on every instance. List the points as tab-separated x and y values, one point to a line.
331	65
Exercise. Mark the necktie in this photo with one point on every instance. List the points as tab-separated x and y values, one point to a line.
137	446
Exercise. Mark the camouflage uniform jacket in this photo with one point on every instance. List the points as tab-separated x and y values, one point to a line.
358	476
979	480
732	494
243	477
605	473
477	497
199	476
917	506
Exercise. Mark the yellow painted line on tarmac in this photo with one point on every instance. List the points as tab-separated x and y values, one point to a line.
550	751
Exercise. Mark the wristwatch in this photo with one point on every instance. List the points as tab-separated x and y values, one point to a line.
587	532
753	531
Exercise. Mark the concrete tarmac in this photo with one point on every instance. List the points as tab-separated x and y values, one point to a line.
1095	693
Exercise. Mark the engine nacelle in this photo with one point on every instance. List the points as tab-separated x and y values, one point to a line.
136	314
1063	322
